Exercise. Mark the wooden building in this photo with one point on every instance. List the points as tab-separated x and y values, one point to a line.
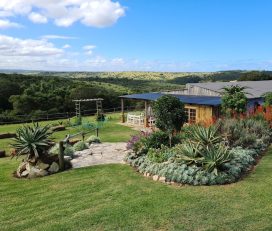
199	109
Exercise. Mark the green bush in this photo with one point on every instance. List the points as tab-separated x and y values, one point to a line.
159	155
68	150
93	139
80	146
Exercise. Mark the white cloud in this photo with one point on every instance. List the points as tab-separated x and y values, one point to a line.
96	13
37	18
5	23
66	46
89	49
10	46
58	37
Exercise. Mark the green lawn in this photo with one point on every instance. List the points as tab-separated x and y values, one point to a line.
115	197
110	132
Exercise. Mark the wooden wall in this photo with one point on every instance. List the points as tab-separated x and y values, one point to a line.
204	113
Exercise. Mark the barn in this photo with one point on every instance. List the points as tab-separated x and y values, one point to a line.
202	100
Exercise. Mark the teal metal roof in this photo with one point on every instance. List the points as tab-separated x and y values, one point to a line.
187	99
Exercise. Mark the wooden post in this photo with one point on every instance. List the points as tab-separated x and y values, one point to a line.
122	111
97	132
61	155
146	118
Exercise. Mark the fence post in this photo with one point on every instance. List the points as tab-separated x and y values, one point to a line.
61	155
97	132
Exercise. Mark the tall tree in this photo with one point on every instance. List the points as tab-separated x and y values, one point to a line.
234	100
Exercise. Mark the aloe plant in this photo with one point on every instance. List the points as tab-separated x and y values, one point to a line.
32	141
205	136
215	157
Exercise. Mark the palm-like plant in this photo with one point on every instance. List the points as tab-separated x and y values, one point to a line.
205	136
215	156
32	141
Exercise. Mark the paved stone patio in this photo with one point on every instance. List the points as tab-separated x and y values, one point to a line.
104	153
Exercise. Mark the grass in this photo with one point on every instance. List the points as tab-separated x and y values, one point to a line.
110	132
115	197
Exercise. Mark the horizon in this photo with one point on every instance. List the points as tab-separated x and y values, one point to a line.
135	36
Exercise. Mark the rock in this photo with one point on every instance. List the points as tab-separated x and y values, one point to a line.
24	173
162	179
155	177
68	158
35	172
2	153
21	168
54	168
41	165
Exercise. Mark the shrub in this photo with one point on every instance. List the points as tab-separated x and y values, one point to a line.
170	115
80	146
68	150
159	155
93	139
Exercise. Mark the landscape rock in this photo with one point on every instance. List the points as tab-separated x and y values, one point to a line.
21	168
41	165
24	173
162	179
35	172
68	158
155	177
2	153
54	168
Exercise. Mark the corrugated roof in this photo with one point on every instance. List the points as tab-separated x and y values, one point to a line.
255	89
188	99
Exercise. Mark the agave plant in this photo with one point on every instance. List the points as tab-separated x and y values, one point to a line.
189	153
215	156
32	141
205	136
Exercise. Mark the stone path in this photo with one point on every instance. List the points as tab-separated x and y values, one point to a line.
104	153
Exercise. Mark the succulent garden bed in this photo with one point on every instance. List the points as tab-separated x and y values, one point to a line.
219	154
42	155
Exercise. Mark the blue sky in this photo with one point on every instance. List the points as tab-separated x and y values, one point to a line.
143	35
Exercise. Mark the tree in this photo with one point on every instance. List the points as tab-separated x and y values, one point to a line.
170	115
268	99
255	76
234	100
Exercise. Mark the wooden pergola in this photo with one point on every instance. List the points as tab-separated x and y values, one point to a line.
79	101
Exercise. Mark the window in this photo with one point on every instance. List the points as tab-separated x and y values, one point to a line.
191	115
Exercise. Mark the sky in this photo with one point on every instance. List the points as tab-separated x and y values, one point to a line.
136	35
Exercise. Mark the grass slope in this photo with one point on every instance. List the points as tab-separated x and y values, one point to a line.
110	132
115	197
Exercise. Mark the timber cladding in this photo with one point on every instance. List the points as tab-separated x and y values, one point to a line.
202	113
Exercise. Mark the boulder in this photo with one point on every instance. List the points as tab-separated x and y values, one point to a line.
54	168
2	153
21	168
24	173
155	177
35	172
67	158
41	165
162	179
